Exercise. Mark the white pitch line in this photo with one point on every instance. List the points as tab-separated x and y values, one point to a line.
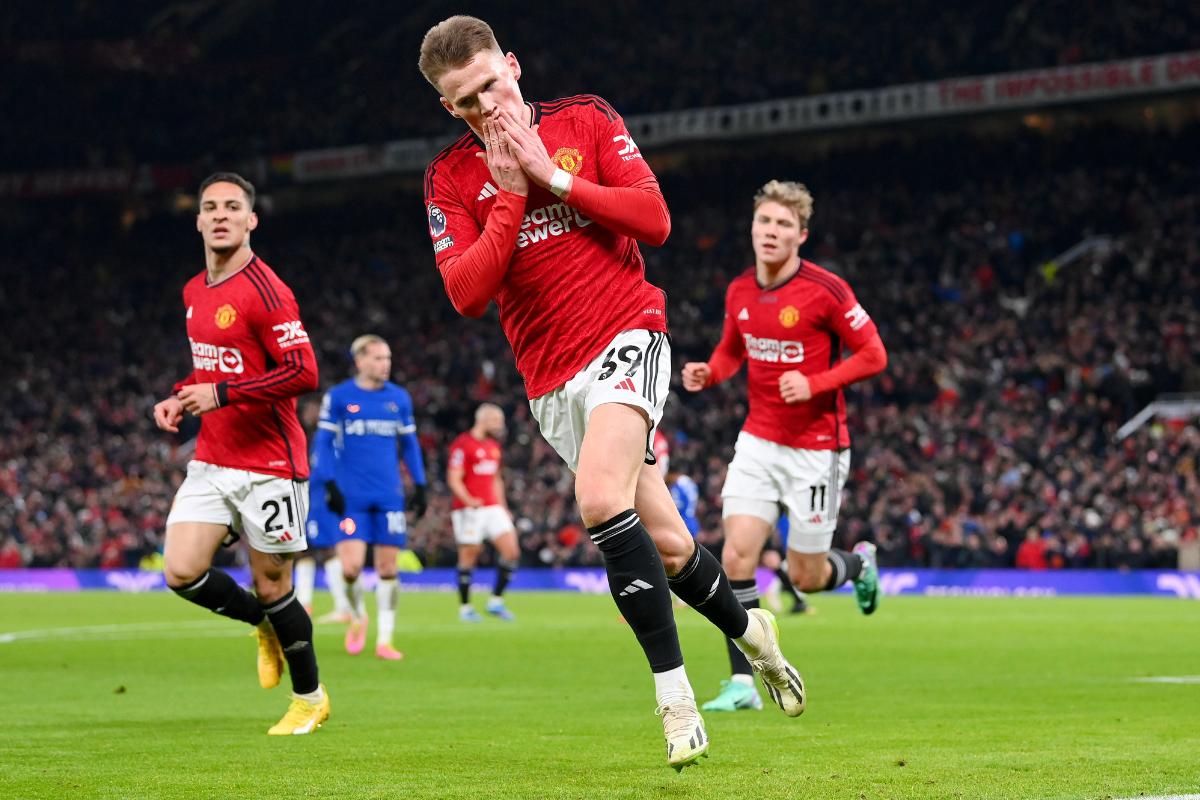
1170	679
131	630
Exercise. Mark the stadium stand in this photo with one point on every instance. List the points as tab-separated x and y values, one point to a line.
161	79
988	442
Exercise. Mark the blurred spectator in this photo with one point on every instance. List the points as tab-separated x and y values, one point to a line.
994	421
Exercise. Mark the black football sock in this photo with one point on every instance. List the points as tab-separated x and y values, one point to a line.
846	567
746	592
464	585
219	593
638	584
786	580
504	572
703	586
294	629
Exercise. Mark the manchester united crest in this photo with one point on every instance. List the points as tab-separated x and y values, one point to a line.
226	316
568	159
789	316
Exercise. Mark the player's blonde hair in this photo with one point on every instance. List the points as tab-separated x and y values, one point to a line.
360	345
789	194
453	42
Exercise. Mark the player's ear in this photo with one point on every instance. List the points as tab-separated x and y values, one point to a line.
514	66
803	236
449	108
252	222
199	227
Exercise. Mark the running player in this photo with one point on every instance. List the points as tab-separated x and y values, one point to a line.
251	358
358	463
539	207
789	319
480	511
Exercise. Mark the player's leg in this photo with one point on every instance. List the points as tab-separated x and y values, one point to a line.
468	537
201	518
695	574
336	581
813	564
386	592
305	580
774	561
610	462
389	533
745	535
272	574
352	553
187	558
504	540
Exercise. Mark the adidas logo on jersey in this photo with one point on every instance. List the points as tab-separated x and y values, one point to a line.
635	587
626	384
488	191
743	315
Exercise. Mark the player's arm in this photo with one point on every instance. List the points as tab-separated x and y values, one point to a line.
455	474
325	454
725	361
414	459
626	198
851	324
473	262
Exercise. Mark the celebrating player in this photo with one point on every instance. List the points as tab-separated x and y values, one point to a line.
251	358
789	318
480	511
358	464
539	207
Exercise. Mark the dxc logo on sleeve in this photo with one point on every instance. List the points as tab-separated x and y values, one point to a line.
629	149
291	333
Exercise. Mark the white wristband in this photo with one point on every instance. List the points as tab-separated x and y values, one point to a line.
560	182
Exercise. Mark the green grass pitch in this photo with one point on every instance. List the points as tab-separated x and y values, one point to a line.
930	698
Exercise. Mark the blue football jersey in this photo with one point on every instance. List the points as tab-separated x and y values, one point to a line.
359	439
686	495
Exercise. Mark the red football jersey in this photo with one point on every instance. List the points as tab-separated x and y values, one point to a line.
572	285
801	324
479	460
246	336
662	451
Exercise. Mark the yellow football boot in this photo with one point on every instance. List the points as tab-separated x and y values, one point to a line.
270	656
302	716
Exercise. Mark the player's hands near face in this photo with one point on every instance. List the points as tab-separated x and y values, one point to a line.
794	388
198	398
696	375
168	414
501	161
528	148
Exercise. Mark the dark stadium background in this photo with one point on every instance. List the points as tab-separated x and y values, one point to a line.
992	433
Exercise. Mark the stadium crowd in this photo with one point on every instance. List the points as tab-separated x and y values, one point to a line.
987	442
187	66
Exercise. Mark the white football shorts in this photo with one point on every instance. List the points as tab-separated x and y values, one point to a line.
634	369
766	475
475	525
269	510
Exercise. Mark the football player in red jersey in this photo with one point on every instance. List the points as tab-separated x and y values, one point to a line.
251	358
479	510
539	207
789	318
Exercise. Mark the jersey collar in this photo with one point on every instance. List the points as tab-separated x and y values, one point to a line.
237	271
